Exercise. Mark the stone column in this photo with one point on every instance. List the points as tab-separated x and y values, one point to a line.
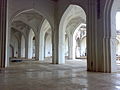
70	47
3	11
55	39
37	47
55	42
109	40
19	49
30	50
94	40
26	46
42	41
8	39
92	44
99	39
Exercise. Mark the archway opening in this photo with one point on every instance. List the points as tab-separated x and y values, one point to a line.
45	42
115	36
17	45
118	39
28	23
31	46
48	46
72	28
79	42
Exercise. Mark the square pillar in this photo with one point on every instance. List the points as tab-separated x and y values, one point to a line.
3	12
37	47
100	43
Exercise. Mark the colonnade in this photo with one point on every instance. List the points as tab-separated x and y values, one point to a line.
101	35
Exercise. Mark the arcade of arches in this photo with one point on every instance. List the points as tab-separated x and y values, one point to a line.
75	36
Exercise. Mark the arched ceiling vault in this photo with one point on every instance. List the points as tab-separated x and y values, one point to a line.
75	11
16	33
72	18
14	30
45	26
27	20
19	25
73	24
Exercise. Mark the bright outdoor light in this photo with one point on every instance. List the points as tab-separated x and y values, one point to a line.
118	21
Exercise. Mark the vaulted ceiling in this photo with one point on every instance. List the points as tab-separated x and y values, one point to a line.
27	20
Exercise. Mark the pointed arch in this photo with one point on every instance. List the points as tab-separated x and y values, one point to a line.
67	16
27	10
44	28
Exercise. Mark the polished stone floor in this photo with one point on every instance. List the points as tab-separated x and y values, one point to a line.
34	75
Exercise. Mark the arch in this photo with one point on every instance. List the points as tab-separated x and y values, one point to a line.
14	45
26	10
77	51
24	23
74	23
110	10
114	8
77	29
69	7
44	28
67	16
11	19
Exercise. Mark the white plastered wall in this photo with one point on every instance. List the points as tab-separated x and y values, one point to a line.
115	8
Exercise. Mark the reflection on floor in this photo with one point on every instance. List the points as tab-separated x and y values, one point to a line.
118	65
34	75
